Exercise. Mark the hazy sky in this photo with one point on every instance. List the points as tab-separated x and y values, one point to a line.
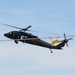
53	16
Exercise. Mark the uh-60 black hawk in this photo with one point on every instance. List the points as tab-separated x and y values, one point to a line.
26	37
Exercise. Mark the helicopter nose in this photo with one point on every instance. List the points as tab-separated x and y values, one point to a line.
6	35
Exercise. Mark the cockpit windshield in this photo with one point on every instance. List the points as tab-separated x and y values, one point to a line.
10	32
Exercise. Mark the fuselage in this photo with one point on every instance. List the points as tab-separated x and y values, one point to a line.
27	38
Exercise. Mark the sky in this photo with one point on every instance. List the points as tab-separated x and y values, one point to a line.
53	16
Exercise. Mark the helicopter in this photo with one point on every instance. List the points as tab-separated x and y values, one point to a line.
23	36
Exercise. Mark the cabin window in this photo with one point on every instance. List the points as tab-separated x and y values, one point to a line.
23	37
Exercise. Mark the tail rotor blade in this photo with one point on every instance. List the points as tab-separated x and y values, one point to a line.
67	44
64	36
70	39
67	39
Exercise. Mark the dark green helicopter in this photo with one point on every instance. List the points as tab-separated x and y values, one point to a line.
29	38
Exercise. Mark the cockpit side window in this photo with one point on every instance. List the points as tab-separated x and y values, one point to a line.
23	37
10	32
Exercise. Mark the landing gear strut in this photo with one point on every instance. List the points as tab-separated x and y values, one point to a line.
51	51
16	42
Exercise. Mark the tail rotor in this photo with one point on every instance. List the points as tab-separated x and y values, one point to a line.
67	39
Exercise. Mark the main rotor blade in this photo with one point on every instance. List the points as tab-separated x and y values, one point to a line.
4	40
20	39
42	32
39	38
10	25
62	36
28	27
25	39
25	29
